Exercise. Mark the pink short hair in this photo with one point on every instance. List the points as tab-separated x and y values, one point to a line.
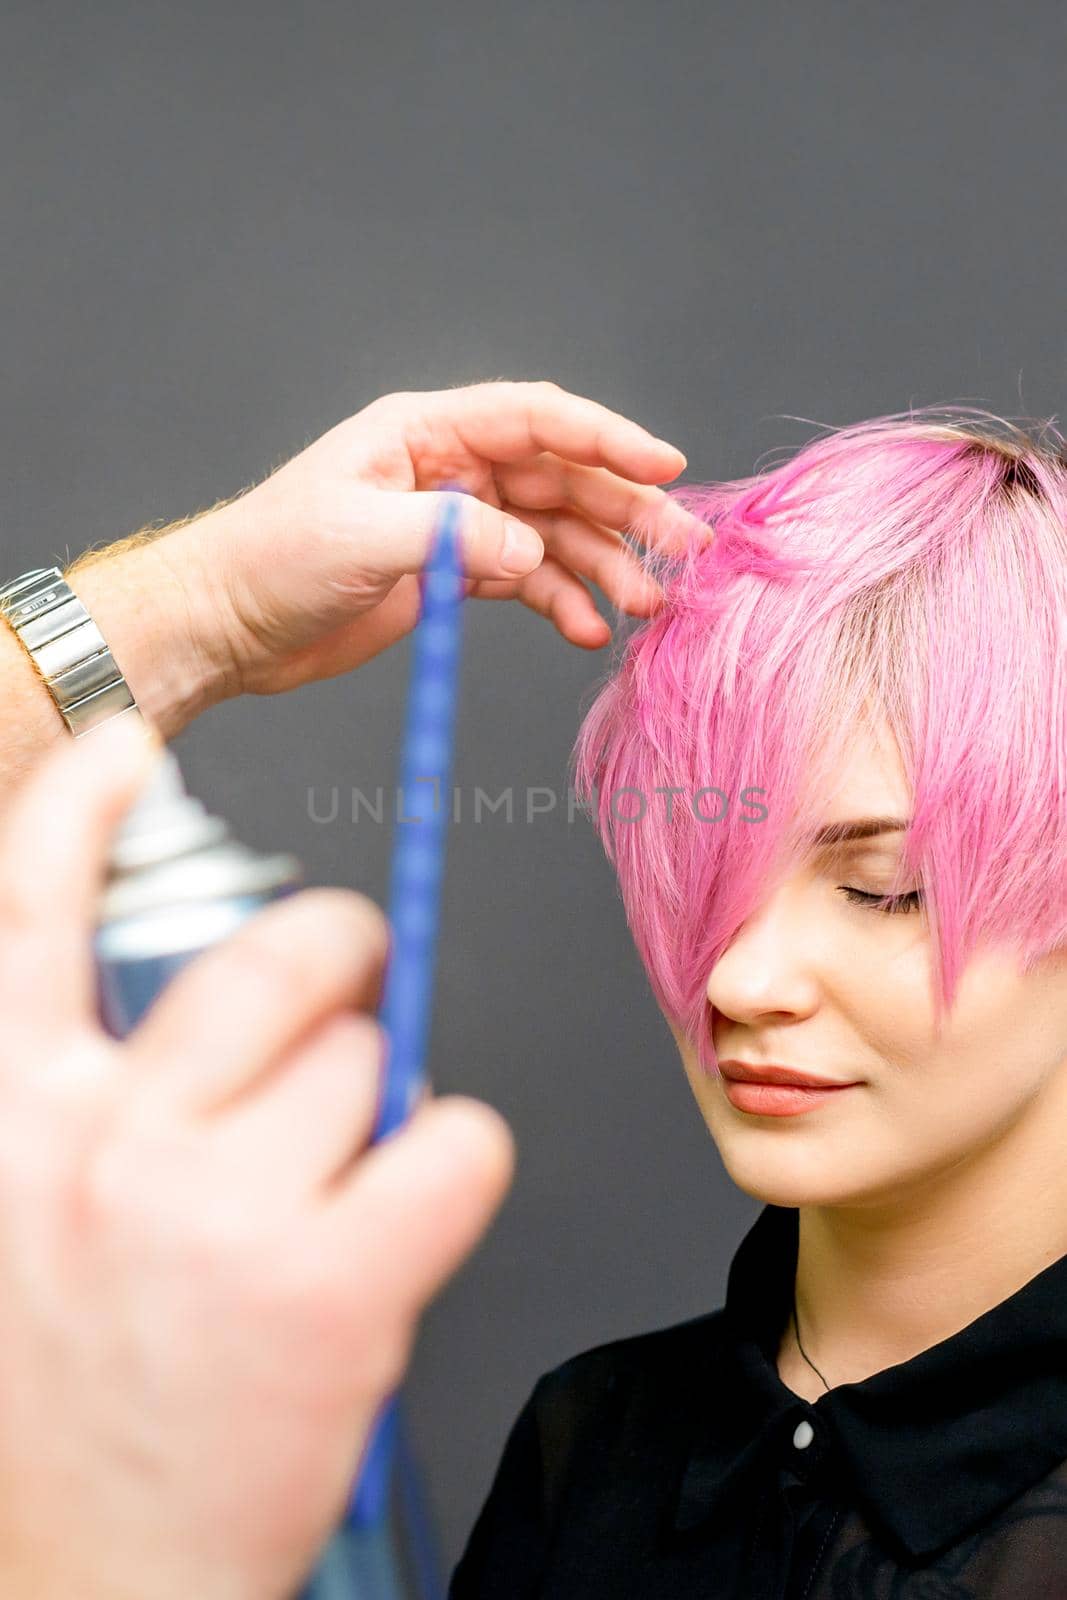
912	566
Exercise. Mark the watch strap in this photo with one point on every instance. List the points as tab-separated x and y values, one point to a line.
67	647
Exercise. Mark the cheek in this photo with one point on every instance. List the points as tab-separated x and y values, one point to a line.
999	1045
885	999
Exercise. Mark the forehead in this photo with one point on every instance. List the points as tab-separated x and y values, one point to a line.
871	781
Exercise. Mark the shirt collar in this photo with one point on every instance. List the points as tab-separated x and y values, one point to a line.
930	1448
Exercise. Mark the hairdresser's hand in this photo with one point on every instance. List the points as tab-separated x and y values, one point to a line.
314	571
319	562
207	1282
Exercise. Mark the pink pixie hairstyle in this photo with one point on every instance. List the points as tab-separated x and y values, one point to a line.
912	567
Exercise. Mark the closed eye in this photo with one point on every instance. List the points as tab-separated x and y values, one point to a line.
888	904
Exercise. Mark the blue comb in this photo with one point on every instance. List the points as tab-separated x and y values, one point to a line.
414	896
360	1563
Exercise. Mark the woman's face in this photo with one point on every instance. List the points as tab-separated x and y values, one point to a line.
817	981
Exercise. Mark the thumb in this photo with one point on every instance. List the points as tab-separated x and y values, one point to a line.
398	536
53	851
420	1200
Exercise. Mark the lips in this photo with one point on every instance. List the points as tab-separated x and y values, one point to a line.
774	1072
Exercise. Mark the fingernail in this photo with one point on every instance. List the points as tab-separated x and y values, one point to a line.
522	548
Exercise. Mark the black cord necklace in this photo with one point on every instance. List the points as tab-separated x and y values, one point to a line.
800	1347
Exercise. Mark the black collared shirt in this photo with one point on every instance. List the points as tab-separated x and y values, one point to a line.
677	1463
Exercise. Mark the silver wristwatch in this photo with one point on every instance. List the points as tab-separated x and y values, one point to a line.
70	651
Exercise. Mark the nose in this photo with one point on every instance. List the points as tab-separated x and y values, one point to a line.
770	967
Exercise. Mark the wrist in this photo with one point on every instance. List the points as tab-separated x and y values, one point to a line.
154	603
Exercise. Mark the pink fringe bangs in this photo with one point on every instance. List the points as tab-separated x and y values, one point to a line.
912	567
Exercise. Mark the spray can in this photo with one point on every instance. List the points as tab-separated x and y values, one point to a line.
179	882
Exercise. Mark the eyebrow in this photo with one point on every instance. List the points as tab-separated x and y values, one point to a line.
857	828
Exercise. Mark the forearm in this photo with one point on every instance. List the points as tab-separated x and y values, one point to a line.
31	718
151	597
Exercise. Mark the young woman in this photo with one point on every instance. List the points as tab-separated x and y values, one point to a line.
831	774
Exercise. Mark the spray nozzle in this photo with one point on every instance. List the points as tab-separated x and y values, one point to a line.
164	820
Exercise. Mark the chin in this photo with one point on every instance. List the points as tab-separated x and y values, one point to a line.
791	1179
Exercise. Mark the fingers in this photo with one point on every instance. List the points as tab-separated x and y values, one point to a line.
53	854
555	590
556	594
599	554
435	1184
393	533
546	482
228	1017
506	421
315	1113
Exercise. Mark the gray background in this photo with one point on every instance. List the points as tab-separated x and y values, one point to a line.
227	226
